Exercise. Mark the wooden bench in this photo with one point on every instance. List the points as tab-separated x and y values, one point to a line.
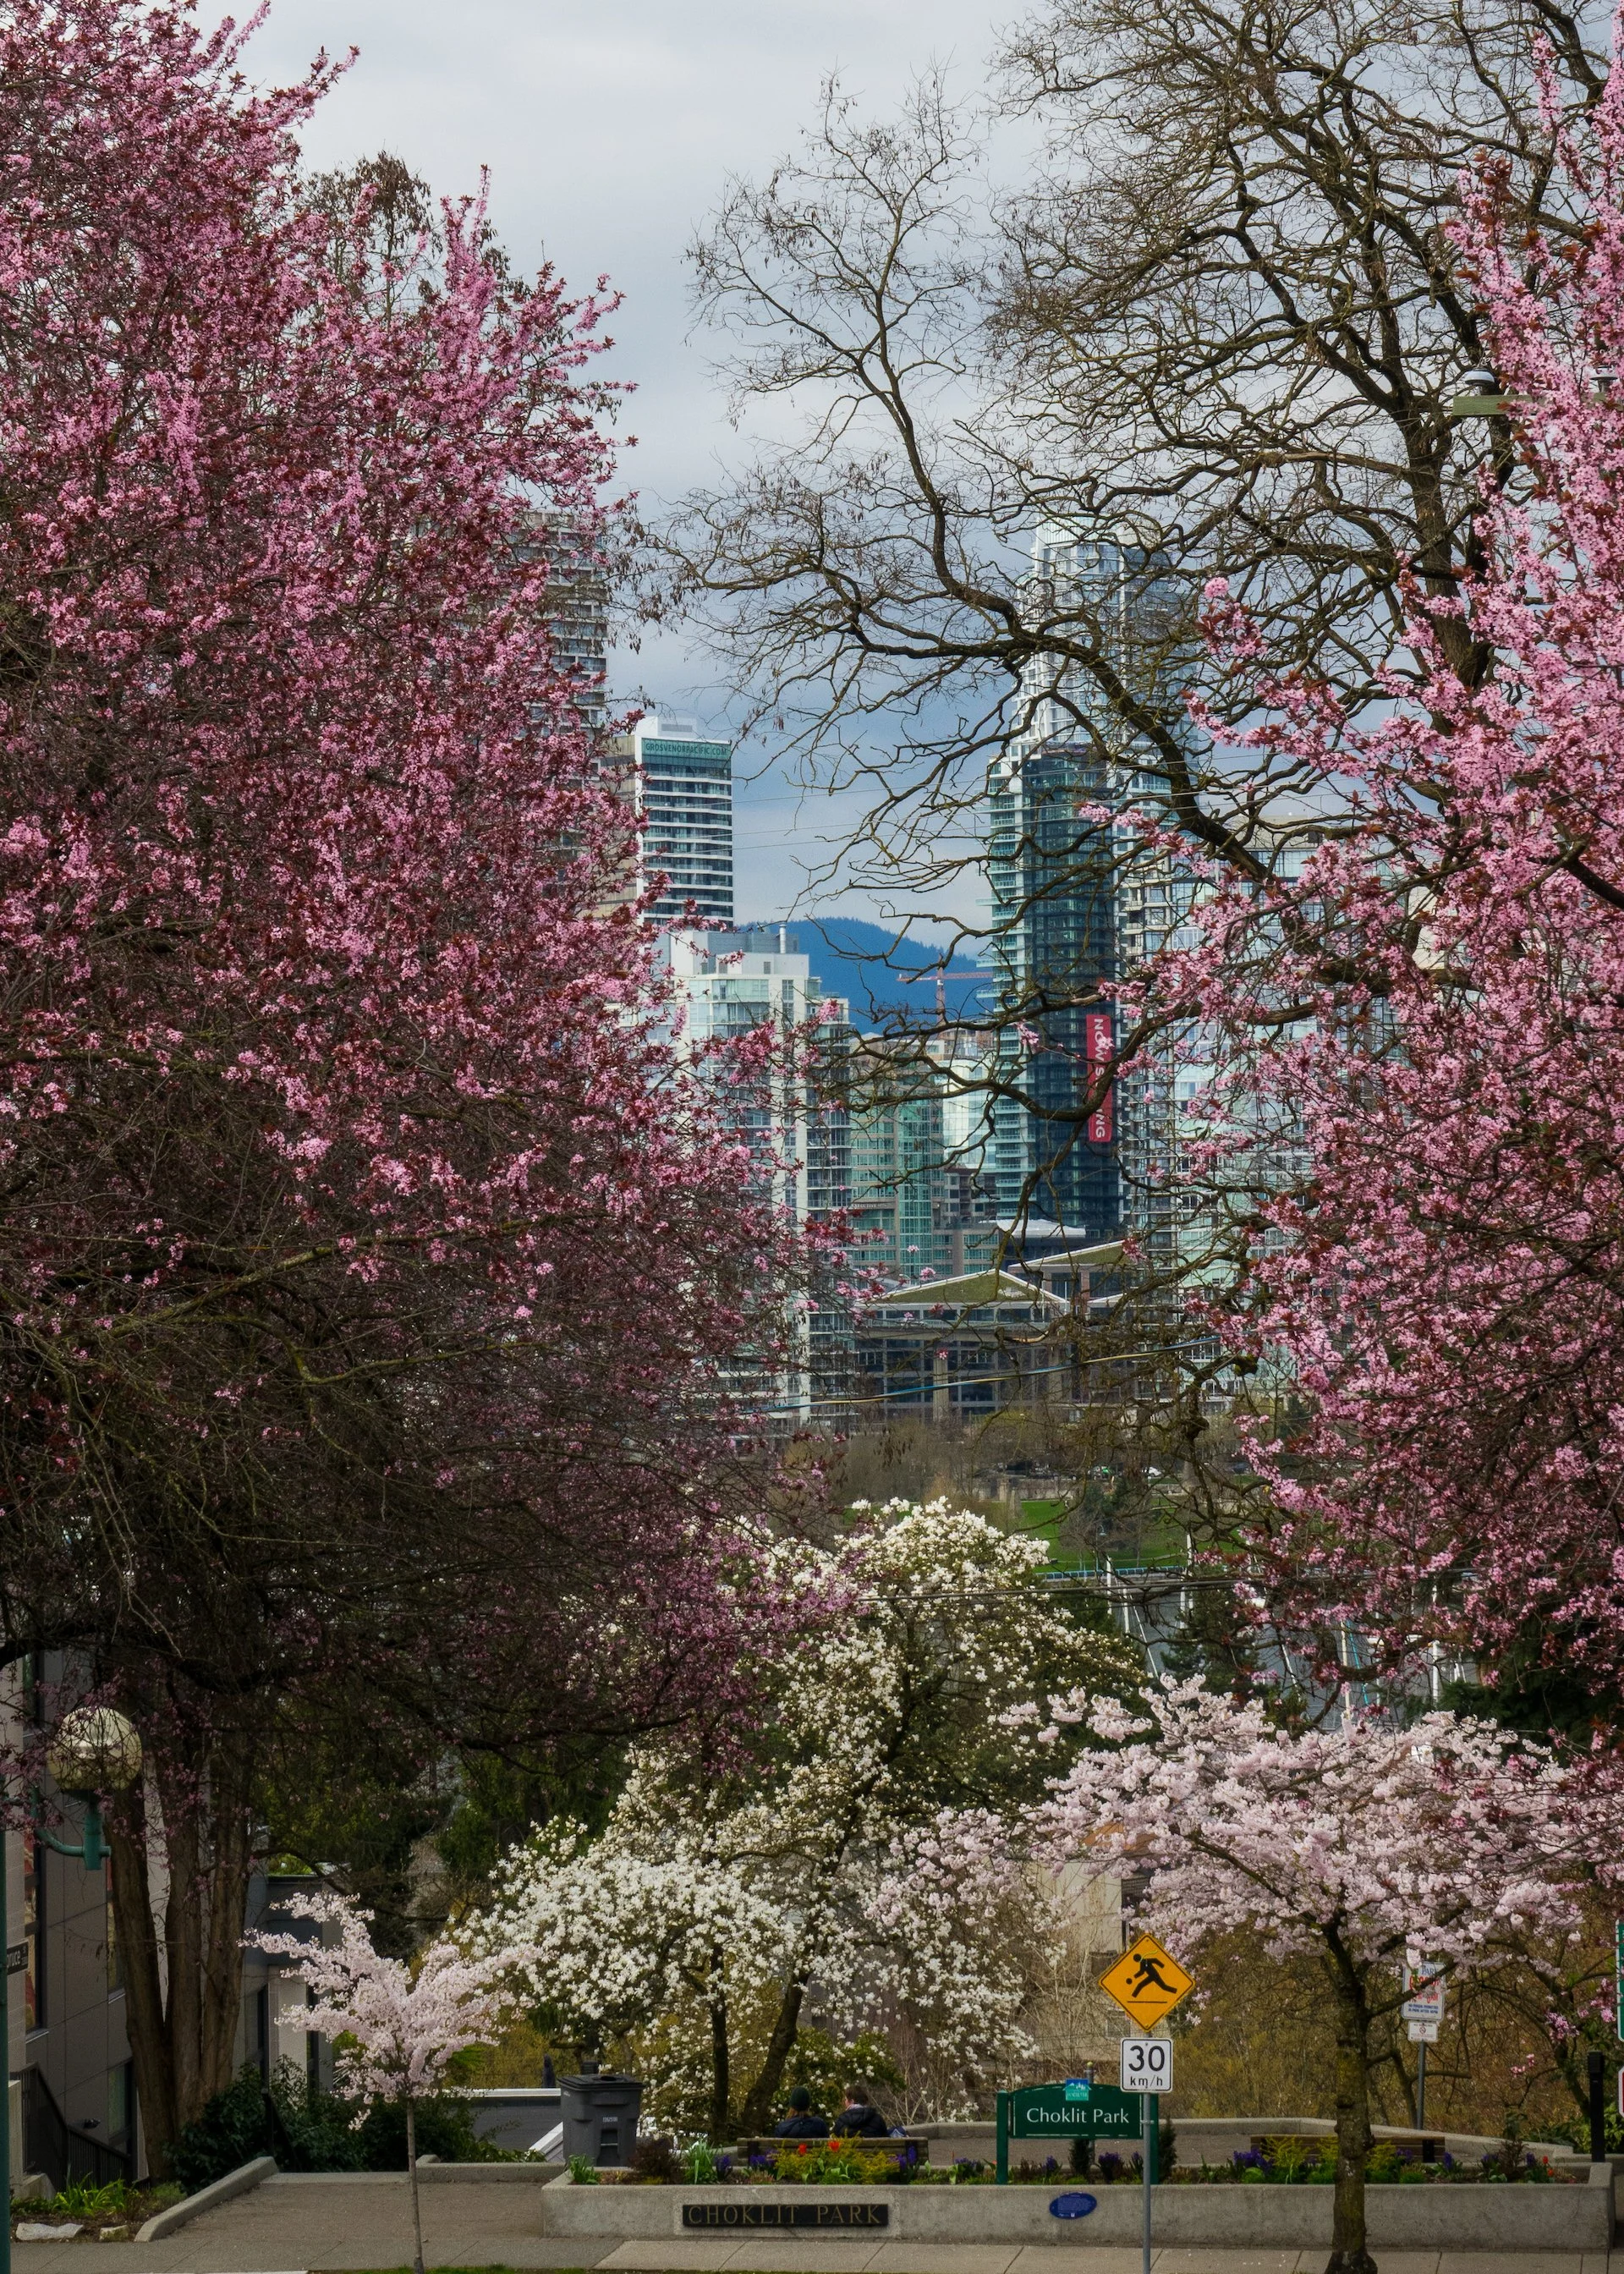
900	2151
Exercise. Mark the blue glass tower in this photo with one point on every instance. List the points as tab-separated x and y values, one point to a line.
1070	888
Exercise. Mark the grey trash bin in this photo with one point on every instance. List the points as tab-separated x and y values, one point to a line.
600	2116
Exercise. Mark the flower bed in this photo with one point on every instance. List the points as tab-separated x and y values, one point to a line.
802	2162
91	2214
1289	2161
1296	2161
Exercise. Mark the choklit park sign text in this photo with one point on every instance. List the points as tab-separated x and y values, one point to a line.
1068	2111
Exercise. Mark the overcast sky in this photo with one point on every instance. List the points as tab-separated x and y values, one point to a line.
609	127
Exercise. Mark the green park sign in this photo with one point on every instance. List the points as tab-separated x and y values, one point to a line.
1067	2112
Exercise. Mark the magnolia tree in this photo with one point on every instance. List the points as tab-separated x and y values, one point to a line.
1356	1845
862	1853
343	1131
396	2026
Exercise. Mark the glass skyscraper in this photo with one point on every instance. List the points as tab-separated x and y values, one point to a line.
1075	901
1053	941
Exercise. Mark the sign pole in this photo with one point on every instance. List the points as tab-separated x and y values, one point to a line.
6	2172
1421	2086
1004	2139
1150	2101
1147	1981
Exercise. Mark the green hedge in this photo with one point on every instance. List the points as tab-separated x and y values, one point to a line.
308	2131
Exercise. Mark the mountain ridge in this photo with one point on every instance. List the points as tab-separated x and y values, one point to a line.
878	971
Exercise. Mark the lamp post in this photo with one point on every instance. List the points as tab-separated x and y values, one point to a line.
94	1751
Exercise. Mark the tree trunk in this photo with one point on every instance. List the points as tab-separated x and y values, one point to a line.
412	2172
756	2114
721	2077
1349	2252
183	1972
144	2001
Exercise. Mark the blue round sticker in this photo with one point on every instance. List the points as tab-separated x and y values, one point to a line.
1074	2206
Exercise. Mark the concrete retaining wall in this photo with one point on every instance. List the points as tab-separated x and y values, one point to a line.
239	2182
537	2174
1469	2218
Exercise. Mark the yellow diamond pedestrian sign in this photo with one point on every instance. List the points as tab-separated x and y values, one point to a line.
1147	1982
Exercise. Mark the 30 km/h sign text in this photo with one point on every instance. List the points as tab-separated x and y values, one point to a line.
1146	2065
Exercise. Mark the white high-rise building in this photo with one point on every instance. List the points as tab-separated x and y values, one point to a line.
577	603
683	782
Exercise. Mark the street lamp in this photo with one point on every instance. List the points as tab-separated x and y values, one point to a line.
94	1751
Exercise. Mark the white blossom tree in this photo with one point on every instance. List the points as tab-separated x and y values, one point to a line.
857	1849
396	2026
1354	1844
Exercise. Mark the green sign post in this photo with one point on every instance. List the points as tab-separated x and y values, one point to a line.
1071	2110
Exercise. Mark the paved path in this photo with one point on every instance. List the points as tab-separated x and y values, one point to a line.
295	2224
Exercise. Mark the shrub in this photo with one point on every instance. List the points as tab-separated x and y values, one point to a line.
79	2199
308	2131
233	2128
657	2160
445	2127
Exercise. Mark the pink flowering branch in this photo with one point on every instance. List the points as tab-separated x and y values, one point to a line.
1413	1043
397	2028
1356	1845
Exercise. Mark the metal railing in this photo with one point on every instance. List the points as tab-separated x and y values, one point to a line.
52	2145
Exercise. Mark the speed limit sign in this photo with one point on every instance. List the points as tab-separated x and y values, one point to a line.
1146	2065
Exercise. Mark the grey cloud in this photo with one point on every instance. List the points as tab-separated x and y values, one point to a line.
608	127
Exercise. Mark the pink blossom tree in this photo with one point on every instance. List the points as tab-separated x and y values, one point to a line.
396	2026
1351	1844
373	1257
1426	1011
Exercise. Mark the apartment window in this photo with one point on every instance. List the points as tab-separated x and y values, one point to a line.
114	1955
120	2103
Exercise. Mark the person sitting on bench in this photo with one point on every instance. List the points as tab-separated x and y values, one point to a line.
858	2120
803	2122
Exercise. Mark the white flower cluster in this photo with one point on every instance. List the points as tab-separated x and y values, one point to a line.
611	1931
863	1845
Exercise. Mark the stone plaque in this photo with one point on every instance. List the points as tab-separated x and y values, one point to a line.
744	2213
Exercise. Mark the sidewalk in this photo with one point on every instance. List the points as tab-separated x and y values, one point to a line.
294	2223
